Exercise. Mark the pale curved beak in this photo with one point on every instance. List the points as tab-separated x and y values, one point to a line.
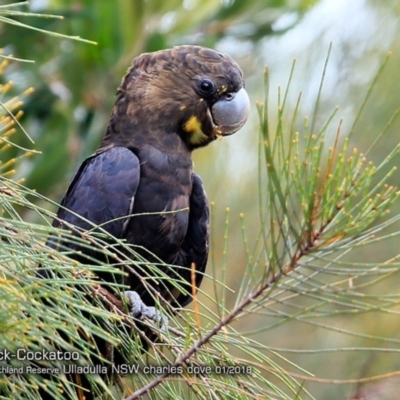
231	112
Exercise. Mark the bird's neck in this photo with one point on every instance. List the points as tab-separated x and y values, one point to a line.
124	132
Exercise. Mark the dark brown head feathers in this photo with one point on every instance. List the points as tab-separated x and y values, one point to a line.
161	94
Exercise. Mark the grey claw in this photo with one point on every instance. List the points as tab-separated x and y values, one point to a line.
141	311
136	303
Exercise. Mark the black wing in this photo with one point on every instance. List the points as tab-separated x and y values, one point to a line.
102	190
195	245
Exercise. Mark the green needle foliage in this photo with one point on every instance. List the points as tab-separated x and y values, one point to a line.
319	201
8	14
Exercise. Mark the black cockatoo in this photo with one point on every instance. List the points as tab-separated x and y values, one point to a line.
140	185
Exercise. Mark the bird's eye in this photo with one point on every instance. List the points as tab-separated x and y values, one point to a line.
206	86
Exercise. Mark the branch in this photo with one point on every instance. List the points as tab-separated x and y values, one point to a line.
303	250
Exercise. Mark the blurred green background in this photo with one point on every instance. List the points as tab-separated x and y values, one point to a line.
74	92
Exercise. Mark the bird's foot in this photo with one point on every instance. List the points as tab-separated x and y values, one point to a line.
139	310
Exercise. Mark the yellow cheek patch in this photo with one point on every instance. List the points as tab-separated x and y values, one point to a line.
193	125
193	128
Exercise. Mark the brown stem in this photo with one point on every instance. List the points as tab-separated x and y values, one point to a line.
222	323
303	250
